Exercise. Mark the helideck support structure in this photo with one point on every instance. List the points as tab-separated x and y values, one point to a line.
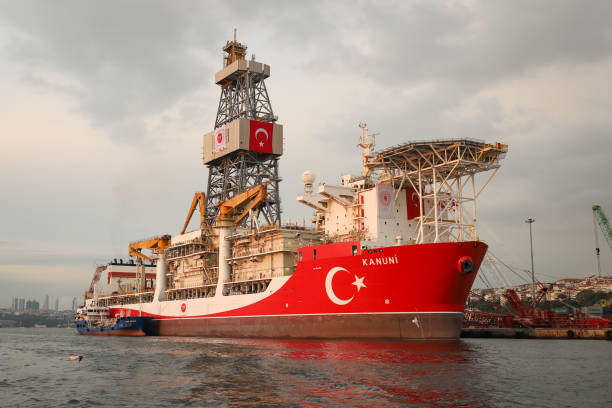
441	176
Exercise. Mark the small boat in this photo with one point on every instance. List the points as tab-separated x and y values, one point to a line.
98	321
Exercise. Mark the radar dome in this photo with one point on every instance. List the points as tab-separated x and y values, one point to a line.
308	177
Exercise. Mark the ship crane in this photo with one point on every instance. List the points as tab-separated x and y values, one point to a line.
239	206
96	278
198	200
599	217
154	244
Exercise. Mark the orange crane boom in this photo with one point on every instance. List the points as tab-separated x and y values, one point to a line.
198	198
154	244
94	280
238	207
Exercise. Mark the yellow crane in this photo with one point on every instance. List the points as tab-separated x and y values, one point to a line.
198	200
154	244
239	206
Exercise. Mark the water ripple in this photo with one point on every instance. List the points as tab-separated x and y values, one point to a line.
168	372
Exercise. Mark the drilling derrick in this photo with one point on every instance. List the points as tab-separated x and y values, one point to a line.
243	150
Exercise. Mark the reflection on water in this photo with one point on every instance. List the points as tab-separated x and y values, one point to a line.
168	372
326	373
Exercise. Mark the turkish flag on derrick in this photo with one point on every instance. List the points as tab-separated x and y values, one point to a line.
260	136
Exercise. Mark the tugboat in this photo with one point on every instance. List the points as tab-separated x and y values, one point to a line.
95	320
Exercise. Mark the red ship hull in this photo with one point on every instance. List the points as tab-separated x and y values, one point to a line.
399	326
401	292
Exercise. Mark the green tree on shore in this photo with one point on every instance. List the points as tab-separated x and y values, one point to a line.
589	297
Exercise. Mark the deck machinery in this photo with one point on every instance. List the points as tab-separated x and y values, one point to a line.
240	215
429	189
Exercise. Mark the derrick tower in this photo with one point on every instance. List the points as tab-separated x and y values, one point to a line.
243	150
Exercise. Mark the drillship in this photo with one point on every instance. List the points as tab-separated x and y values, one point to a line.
391	253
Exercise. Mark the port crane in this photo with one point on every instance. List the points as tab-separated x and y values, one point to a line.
599	217
516	305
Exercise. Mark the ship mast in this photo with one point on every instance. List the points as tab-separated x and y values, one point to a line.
367	143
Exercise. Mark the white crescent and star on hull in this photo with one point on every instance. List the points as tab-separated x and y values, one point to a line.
330	290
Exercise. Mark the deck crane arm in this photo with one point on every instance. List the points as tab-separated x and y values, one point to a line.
198	198
94	281
238	207
154	244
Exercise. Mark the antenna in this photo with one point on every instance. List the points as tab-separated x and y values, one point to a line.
366	142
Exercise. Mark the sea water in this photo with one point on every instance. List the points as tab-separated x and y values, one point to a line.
35	371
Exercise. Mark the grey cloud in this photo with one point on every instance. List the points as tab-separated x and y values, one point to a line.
435	40
142	58
127	62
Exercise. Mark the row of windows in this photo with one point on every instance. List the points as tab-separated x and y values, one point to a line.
314	253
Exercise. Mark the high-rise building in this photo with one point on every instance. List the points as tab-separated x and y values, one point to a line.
22	303
74	303
46	304
15	305
32	305
56	304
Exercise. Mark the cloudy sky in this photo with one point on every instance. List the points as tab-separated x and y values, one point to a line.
103	104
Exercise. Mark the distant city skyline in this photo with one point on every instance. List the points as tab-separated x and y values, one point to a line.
63	302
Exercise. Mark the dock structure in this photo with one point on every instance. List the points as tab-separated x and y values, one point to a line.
537	333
